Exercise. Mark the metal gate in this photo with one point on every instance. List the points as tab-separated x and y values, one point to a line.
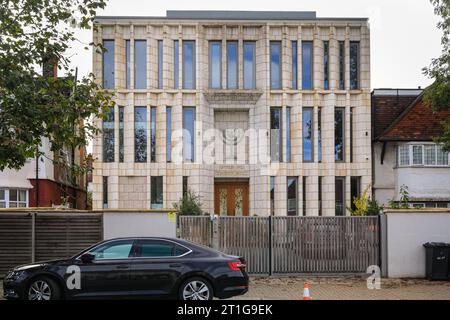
291	245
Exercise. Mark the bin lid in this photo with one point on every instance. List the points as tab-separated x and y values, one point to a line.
436	244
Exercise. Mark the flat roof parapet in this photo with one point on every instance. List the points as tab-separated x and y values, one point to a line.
241	15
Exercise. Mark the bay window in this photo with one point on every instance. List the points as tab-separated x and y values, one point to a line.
427	154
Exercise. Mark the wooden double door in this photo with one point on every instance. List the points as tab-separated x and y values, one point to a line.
231	198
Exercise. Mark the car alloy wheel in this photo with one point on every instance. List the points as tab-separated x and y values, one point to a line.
196	290
40	290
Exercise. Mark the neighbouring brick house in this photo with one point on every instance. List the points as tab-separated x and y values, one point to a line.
283	96
41	182
403	149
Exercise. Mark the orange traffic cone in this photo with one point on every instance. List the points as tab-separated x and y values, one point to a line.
306	295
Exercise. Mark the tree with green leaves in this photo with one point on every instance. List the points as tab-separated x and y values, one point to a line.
189	205
438	94
32	107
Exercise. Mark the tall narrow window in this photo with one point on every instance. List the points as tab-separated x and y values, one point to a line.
160	64
215	64
339	136
140	64
140	134
326	65
232	65
339	196
307	130
272	195
403	155
153	134
156	199
292	196
276	142
354	65
319	135
352	110
121	135
176	64
108	136
441	156
288	134
168	134
188	64
275	65
189	134
304	196
320	195
355	190
185	185
294	65
249	65
307	65
128	63
105	192
108	64
341	65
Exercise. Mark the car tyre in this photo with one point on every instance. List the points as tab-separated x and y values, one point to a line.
196	288
43	288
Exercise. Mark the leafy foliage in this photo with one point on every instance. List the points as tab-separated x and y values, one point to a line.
365	205
438	94
32	107
404	199
189	205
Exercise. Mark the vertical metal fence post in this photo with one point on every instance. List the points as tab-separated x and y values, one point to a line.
215	232
270	246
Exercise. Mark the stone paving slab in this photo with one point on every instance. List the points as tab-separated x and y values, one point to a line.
342	288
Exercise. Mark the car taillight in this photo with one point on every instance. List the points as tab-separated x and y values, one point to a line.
236	265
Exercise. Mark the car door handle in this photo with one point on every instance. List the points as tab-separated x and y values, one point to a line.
122	267
175	265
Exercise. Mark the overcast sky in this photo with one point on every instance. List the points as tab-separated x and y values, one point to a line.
404	36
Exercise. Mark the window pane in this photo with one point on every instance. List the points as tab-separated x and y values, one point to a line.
232	65
276	143
185	185
339	137
403	155
160	63
154	248
108	64
188	133
294	65
215	65
249	65
22	195
319	135
272	196
417	155
307	129
341	65
188	64
288	134
320	195
128	64
169	134
430	155
156	201
12	194
2	194
140	134
442	157
326	67
108	136
153	134
105	192
13	204
275	65
352	111
355	190
2	204
113	250
340	196
176	67
140	64
121	135
291	196
354	65
307	65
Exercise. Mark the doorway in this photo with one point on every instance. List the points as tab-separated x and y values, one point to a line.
231	198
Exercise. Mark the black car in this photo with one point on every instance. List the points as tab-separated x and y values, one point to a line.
132	267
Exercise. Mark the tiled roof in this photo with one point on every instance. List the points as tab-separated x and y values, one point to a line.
417	122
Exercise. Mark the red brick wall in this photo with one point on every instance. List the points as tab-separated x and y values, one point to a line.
50	193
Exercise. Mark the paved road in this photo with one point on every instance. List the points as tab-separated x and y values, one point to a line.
343	289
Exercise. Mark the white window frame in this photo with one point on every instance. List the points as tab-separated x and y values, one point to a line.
411	146
7	200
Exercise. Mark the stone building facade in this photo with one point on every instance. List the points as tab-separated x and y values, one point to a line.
278	104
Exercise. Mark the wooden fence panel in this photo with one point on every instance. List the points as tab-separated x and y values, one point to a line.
196	229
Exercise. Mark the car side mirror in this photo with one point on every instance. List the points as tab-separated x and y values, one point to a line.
87	258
